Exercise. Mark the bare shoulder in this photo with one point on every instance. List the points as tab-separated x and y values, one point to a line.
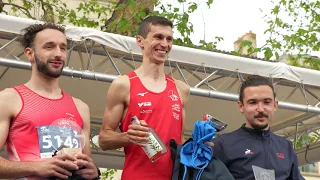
81	106
119	87
10	101
182	86
9	93
184	90
122	82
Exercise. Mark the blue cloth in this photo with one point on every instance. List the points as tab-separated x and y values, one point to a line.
195	153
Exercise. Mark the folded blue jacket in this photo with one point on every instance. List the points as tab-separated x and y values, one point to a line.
195	153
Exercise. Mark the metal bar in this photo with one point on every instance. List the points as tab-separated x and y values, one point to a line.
204	80
73	45
4	72
313	95
128	64
217	78
8	43
306	129
112	62
101	63
291	93
231	85
182	75
291	121
81	59
304	94
199	78
90	55
9	53
172	71
194	91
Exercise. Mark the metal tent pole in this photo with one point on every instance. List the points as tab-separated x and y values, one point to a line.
194	91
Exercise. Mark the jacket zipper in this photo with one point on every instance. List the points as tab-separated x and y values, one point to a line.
265	152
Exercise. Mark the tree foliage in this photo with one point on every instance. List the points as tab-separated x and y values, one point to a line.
115	16
294	28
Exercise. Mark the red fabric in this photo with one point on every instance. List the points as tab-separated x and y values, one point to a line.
163	112
22	142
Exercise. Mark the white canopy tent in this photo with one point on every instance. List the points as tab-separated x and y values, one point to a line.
96	58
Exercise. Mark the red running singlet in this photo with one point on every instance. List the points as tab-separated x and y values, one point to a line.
163	112
24	142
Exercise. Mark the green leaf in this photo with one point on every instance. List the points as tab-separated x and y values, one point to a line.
277	55
209	2
132	3
176	10
275	10
121	6
268	53
193	7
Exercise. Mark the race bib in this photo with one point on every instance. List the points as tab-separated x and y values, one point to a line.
263	174
52	138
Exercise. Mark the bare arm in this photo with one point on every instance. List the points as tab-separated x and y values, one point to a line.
8	99
116	100
184	92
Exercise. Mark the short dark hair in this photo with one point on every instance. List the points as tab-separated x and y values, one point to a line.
145	27
255	80
30	32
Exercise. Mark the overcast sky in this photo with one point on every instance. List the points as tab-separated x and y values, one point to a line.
230	19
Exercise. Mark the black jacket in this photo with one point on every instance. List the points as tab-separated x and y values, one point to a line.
215	170
241	149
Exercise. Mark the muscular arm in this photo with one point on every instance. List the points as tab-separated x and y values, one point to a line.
184	92
9	101
116	100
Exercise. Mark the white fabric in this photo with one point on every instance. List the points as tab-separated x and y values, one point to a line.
180	54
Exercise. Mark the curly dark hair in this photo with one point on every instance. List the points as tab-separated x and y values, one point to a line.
30	32
144	27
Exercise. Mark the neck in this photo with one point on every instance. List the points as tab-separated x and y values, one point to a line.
152	71
42	83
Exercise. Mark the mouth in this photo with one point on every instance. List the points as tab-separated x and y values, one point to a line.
161	51
261	118
56	64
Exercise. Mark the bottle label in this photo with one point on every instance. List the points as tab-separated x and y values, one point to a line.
153	146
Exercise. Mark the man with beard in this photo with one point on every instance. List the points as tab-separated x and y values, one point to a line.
253	151
27	110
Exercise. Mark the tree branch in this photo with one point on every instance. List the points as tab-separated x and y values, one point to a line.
26	11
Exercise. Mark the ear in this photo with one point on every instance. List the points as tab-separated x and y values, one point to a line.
29	52
139	40
276	104
240	106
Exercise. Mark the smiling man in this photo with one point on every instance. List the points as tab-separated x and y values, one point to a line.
27	110
253	150
154	97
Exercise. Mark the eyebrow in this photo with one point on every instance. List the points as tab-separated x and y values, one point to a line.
53	43
256	99
159	34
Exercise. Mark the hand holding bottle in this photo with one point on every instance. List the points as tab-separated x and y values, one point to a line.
138	132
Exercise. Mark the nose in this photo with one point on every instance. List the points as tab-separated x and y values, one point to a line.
260	107
164	43
59	53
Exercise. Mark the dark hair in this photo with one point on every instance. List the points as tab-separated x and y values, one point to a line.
255	80
144	27
30	32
